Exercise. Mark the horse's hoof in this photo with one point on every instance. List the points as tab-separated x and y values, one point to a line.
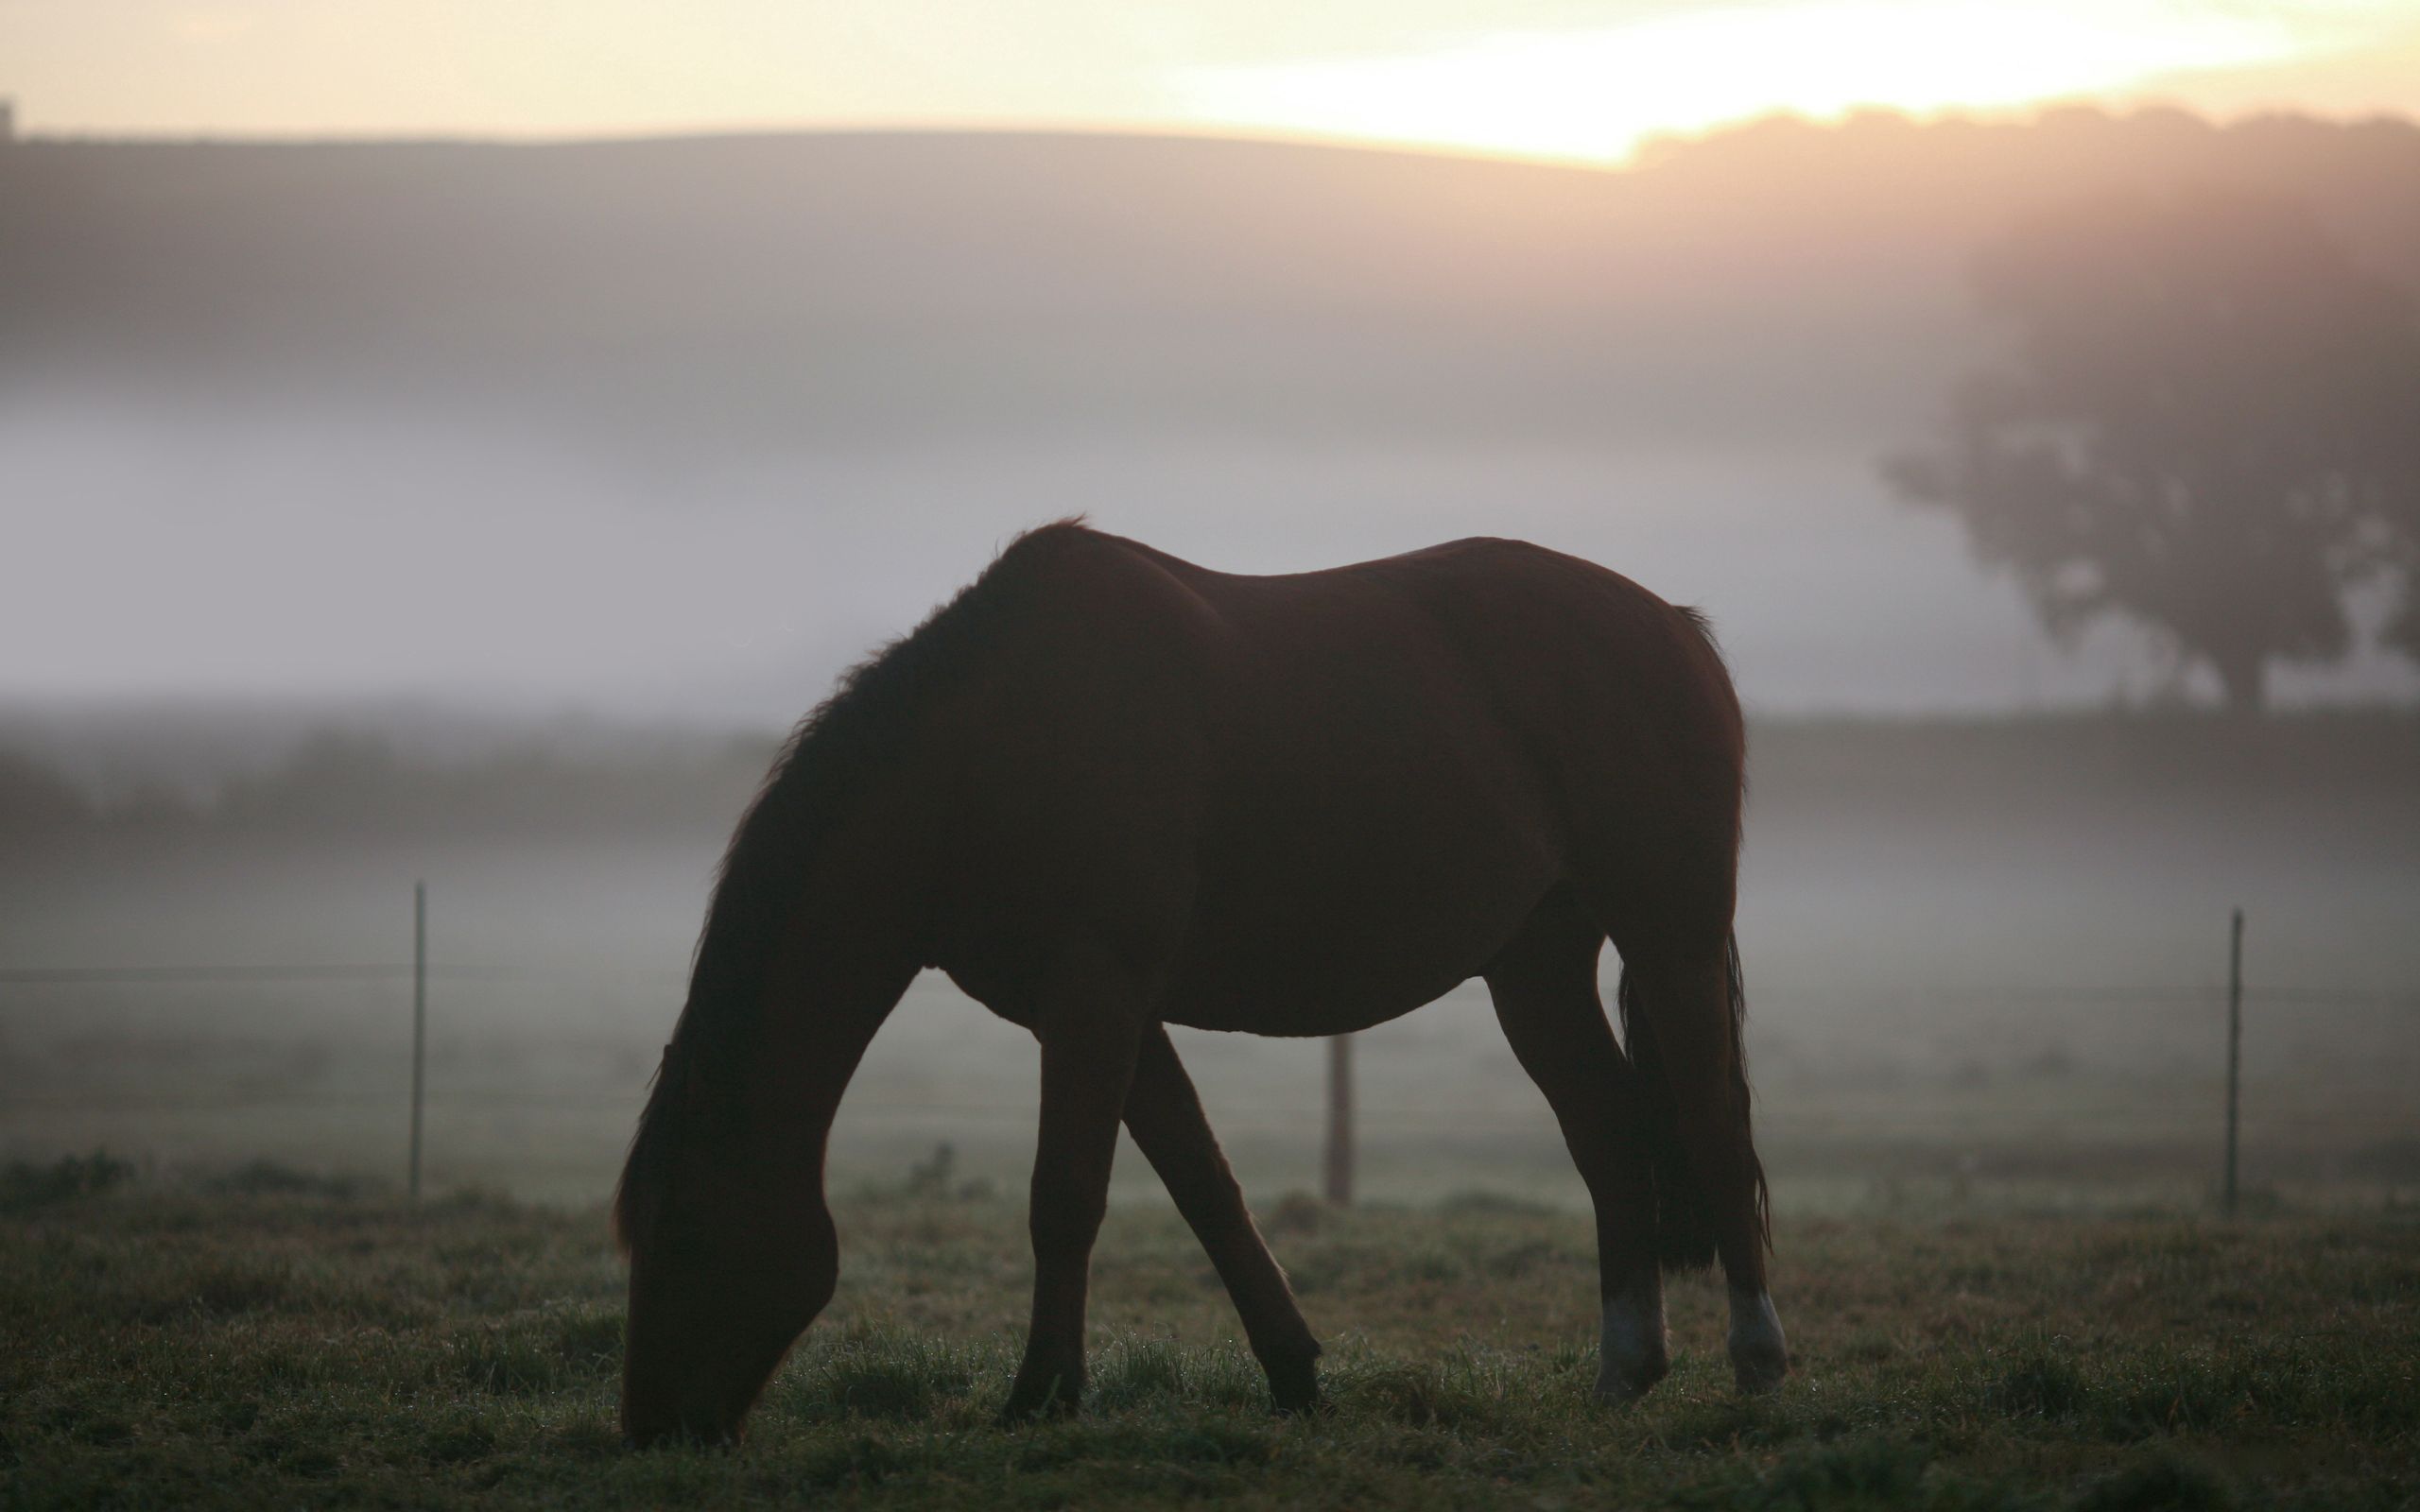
1031	1404
1020	1411
1633	1352
1019	1414
662	1431
1759	1351
1758	1377
1619	1388
1294	1390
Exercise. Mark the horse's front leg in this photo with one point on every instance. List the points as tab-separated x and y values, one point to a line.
1089	1027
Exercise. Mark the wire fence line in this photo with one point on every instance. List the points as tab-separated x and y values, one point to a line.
2137	1119
304	973
2213	997
2293	1109
324	972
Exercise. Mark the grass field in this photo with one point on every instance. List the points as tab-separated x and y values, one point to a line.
259	1345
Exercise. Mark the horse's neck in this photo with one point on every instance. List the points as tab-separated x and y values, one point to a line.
767	1076
809	982
811	1051
812	943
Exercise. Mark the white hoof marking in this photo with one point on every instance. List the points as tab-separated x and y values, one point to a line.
1633	1352
1759	1351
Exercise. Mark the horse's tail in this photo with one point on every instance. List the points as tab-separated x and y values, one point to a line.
1686	1217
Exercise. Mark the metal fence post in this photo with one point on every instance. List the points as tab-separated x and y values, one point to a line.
2235	1051
420	1024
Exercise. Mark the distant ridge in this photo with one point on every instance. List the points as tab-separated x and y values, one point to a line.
839	289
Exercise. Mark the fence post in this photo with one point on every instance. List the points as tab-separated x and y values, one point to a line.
420	1024
2235	1051
1340	1120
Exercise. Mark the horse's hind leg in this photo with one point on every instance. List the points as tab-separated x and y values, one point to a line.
1090	1030
1544	989
1681	1012
1165	1116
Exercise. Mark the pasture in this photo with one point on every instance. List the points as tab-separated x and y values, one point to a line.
1988	1057
265	1339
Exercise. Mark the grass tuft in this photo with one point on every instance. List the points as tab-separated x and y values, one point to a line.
2165	1483
2038	1382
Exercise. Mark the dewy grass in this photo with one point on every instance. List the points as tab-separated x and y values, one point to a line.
257	1343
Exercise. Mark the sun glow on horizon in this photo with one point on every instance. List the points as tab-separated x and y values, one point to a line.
1575	81
1597	95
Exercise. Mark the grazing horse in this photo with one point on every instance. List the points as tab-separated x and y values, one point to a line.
1108	791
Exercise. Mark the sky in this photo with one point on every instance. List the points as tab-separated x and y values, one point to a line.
1587	80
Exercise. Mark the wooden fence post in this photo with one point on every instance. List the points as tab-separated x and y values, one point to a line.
1340	1120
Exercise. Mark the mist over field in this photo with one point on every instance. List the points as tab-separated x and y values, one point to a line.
674	429
482	514
1984	956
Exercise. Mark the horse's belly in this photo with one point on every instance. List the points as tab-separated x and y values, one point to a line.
1205	1004
1319	952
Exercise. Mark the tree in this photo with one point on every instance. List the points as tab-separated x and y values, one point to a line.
2211	426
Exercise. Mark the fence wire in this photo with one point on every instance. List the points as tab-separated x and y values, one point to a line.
2295	1110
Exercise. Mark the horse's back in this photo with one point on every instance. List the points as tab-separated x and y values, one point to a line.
1338	794
1585	680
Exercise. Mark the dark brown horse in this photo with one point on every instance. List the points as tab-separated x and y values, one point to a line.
1106	791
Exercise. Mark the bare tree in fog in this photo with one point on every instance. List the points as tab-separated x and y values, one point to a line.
2211	426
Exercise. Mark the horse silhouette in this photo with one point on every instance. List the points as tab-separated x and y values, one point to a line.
1106	791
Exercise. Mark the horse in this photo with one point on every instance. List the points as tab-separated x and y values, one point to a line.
1106	791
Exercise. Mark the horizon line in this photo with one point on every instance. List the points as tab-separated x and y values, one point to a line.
1646	152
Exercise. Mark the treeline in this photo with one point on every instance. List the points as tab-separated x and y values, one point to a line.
339	785
344	784
2148	758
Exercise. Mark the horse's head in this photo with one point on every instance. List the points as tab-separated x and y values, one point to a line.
732	1256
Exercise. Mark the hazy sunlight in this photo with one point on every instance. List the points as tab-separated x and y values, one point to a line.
1596	95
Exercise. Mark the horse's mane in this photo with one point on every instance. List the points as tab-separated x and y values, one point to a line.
858	729
1697	620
